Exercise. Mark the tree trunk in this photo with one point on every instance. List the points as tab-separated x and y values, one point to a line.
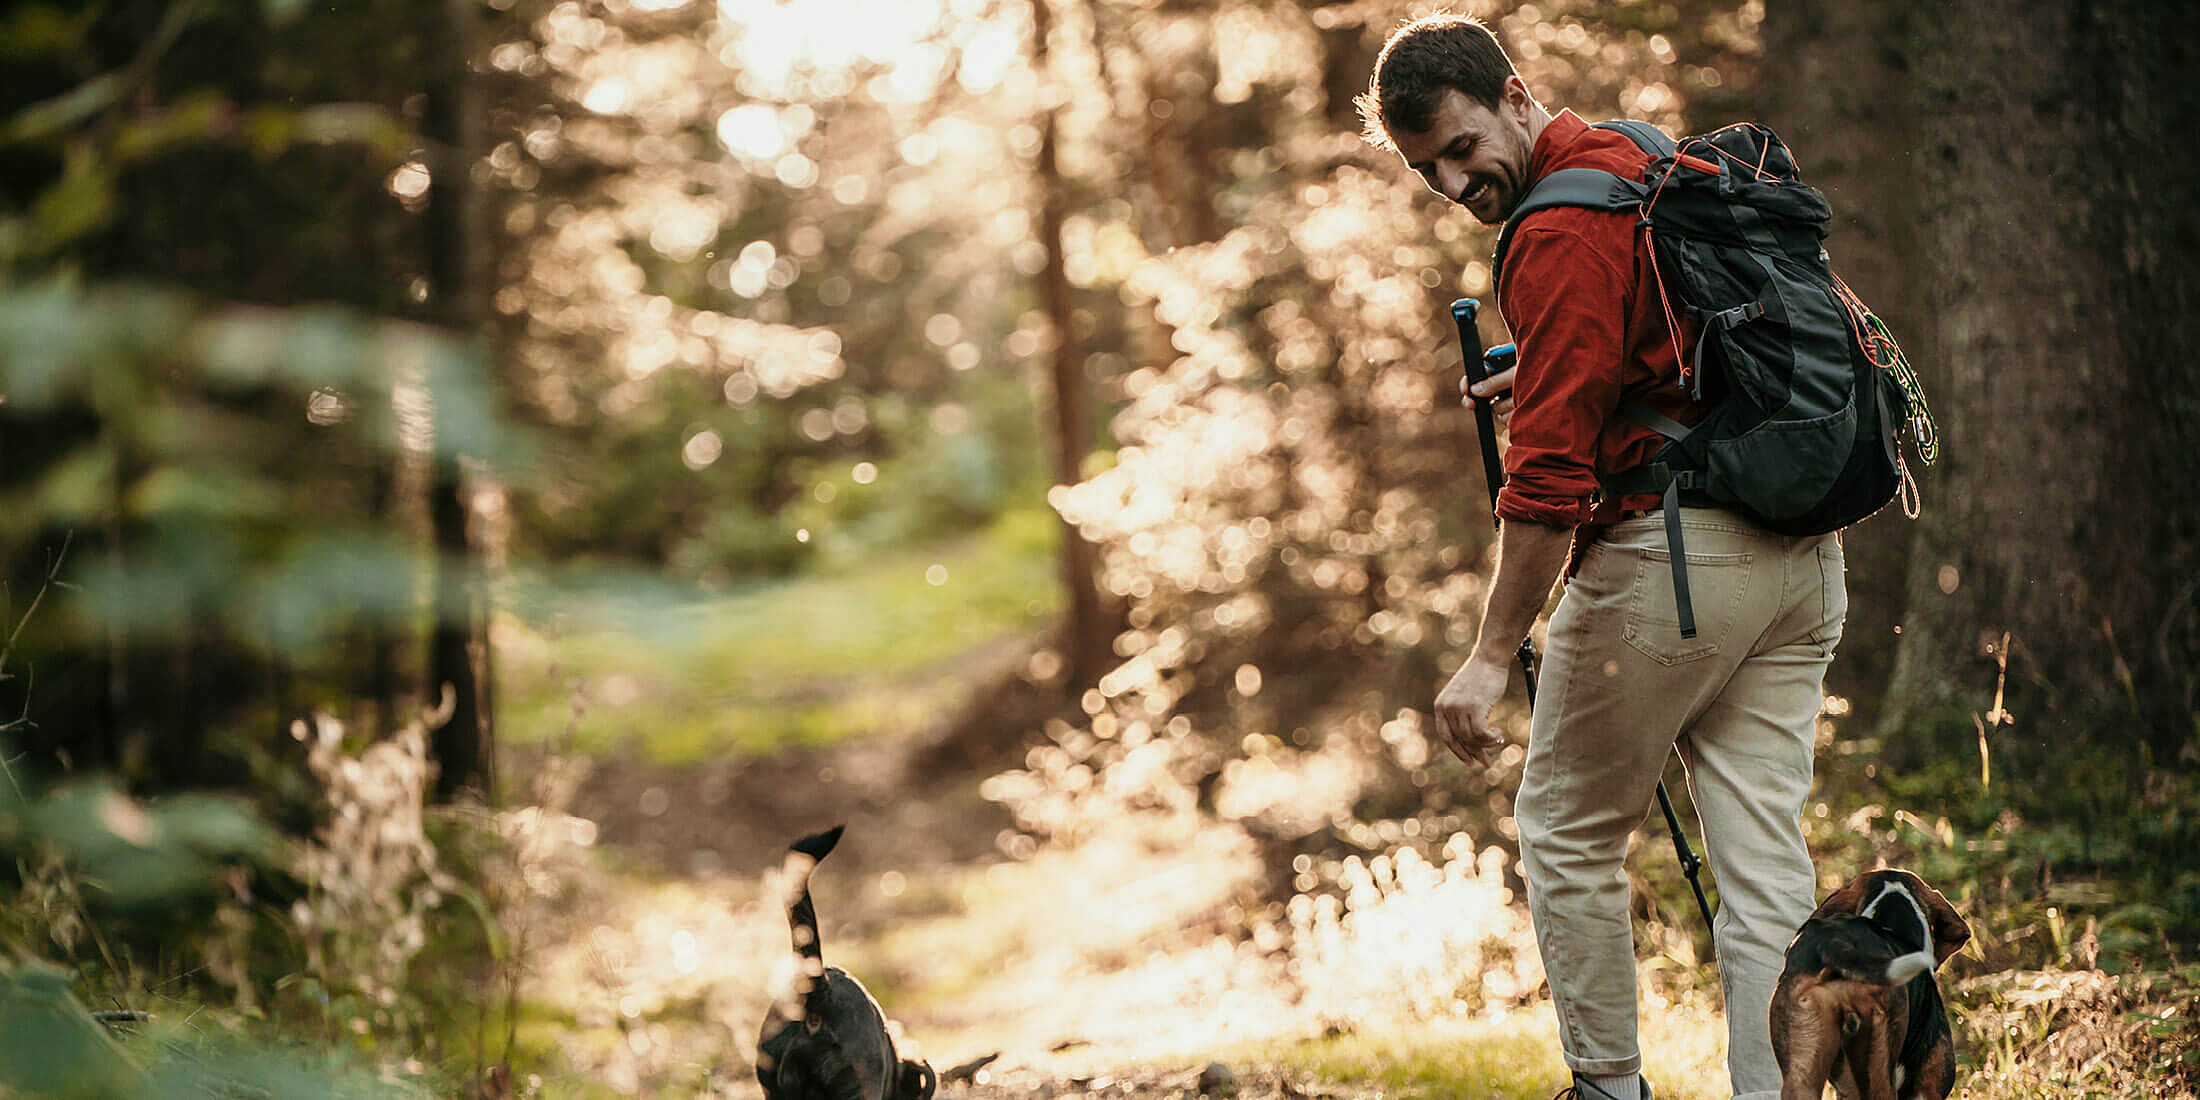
460	744
382	637
1348	51
1088	634
2054	324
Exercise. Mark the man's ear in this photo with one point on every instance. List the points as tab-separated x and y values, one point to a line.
1514	97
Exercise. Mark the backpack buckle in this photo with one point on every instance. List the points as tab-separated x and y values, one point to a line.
1739	315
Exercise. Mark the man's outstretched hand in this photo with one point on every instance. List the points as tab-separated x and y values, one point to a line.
1463	711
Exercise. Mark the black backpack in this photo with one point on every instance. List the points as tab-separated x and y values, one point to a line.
1805	388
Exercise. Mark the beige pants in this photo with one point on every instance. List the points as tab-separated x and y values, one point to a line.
1620	690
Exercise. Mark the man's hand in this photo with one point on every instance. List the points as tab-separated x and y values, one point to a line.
1499	386
1463	710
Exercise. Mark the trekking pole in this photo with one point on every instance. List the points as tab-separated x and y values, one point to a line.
1481	364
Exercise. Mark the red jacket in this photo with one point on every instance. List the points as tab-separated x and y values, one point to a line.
1581	296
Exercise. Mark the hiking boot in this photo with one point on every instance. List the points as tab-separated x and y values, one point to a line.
1583	1090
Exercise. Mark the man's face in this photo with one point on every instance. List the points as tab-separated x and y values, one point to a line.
1472	155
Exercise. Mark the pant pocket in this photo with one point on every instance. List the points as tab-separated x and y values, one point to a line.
1833	598
1715	586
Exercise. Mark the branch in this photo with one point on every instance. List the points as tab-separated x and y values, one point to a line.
51	116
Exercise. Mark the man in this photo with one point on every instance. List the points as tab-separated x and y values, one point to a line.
1621	688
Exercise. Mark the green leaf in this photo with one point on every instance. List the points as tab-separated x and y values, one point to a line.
306	347
79	488
43	31
144	853
79	202
93	822
43	120
46	333
199	117
49	1045
216	827
327	585
364	123
215	494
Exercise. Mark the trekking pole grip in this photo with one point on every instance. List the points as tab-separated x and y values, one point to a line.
1463	312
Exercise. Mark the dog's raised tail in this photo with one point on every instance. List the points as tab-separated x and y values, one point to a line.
1905	967
808	980
803	857
818	845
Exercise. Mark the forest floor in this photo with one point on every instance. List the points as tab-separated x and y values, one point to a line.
1116	967
1132	960
1111	967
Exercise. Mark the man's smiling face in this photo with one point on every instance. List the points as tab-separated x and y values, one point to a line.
1473	155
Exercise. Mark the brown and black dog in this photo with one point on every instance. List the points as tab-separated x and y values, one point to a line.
1856	1006
825	1037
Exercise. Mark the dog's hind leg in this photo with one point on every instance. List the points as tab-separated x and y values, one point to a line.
1807	1039
1871	1056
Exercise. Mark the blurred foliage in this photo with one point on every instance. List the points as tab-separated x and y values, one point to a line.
96	875
202	929
220	380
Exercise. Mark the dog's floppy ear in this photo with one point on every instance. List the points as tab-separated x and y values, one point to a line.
1950	932
1848	899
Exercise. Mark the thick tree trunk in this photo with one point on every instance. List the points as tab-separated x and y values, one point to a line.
2052	309
1088	634
2140	63
461	743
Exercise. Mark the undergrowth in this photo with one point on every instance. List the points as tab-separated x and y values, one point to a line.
2077	866
381	954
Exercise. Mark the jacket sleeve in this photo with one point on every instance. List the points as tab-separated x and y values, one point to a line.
1566	305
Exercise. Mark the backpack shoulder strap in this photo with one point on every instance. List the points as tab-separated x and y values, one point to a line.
1648	138
1590	188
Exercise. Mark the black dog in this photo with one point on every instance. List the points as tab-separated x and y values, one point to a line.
825	1039
1857	1006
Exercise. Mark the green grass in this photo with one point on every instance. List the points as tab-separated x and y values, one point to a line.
1504	1059
1507	1057
810	661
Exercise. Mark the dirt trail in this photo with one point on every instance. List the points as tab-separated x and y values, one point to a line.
1077	967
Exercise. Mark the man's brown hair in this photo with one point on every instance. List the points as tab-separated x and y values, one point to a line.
1420	61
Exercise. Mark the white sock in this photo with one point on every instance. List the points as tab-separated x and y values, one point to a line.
1627	1086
